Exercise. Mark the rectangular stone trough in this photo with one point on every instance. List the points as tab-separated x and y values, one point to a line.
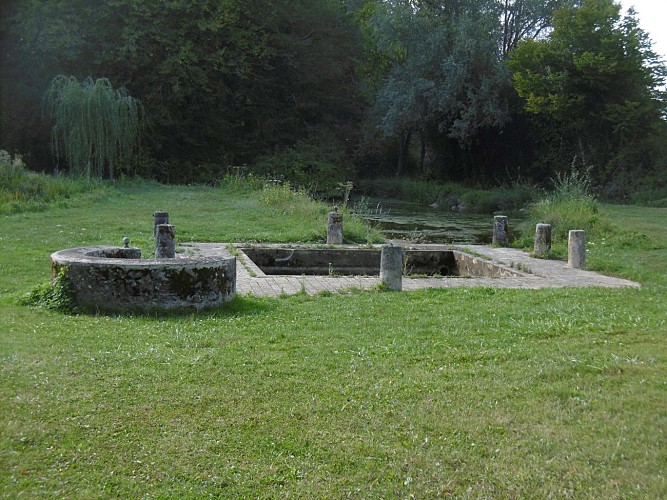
359	261
306	268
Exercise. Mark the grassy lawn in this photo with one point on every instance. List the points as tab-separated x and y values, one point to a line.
453	392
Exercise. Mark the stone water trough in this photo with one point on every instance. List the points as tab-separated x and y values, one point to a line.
117	279
429	260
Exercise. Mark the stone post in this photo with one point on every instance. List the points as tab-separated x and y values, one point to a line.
542	240
159	218
500	231
576	249
335	228
165	246
391	267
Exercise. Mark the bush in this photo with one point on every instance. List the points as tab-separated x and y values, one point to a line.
22	190
55	295
290	201
238	180
570	205
450	195
318	168
652	192
299	204
412	190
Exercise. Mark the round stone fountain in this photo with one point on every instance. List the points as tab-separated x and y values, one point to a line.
117	279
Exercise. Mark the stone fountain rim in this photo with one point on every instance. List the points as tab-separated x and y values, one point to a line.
86	256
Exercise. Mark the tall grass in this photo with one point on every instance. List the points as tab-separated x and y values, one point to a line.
451	195
287	202
654	194
22	190
572	205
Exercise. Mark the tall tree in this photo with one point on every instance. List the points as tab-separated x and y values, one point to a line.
96	127
446	79
527	20
596	79
221	81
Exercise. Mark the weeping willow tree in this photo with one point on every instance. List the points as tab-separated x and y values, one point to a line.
96	126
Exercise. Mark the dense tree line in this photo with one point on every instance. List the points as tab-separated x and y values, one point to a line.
489	90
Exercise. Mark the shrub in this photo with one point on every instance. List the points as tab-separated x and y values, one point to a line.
569	205
238	180
402	188
449	195
289	201
652	192
55	295
298	203
318	168
22	190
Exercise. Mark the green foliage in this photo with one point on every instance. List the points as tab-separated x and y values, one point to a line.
283	198
653	195
238	181
56	295
448	196
573	185
501	199
569	205
527	20
318	168
445	75
96	127
221	81
22	190
435	72
596	82
298	204
295	211
291	86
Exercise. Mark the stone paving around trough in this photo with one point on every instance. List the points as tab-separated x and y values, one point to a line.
534	274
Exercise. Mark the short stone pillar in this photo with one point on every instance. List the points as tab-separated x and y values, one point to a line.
576	249
159	218
391	267
500	231
335	228
542	240
165	245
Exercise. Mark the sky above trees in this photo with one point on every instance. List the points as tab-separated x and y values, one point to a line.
651	15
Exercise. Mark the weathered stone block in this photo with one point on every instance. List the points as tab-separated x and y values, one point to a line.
391	267
335	228
165	241
500	231
576	249
159	218
542	246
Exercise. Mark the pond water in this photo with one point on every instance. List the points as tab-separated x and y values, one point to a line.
411	221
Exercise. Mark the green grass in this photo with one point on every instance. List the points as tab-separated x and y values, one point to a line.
461	392
22	190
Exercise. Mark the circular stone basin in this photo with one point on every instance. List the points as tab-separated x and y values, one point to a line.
116	279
